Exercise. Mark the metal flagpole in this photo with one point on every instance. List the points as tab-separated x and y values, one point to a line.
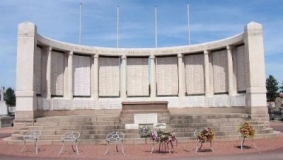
155	27
188	14
80	27
117	26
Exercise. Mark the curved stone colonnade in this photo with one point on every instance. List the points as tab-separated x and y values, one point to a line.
56	76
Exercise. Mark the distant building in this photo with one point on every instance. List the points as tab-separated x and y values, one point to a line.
3	106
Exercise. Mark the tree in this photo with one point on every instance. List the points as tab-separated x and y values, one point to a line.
10	97
272	88
281	88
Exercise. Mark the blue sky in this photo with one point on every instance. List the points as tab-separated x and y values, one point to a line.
209	20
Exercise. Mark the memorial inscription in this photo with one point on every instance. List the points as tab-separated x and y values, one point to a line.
149	118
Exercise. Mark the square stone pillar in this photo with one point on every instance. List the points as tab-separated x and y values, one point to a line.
182	85
69	73
152	78
48	72
95	80
207	78
254	56
123	77
231	86
25	93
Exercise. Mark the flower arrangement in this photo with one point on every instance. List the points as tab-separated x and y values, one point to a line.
160	136
144	132
246	130
207	134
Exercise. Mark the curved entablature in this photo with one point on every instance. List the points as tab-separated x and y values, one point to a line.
209	46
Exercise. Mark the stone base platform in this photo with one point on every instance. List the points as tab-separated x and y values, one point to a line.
94	128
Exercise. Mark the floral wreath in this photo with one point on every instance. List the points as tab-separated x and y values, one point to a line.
246	130
144	132
160	136
207	134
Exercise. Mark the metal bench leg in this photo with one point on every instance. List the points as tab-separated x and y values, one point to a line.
242	143
197	147
36	146
254	144
152	147
62	148
123	148
211	146
24	146
107	150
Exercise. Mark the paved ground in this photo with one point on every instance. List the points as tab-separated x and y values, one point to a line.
275	154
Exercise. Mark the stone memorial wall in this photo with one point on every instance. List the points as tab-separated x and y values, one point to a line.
219	63
240	68
167	76
109	76
57	73
54	75
194	65
137	77
81	76
37	69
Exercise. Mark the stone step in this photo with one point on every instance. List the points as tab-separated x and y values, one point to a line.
82	127
208	116
79	118
75	123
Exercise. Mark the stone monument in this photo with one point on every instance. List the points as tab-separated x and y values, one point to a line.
223	76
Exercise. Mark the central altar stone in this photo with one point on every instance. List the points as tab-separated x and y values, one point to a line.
144	112
145	106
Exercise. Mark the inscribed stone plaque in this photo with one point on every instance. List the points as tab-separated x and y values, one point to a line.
220	72
131	126
159	125
145	118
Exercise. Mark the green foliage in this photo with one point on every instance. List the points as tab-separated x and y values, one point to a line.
272	88
10	97
281	88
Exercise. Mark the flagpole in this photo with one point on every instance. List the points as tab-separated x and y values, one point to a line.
117	26
80	26
188	16
155	27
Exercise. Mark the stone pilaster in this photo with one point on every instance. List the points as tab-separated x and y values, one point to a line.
70	75
231	88
123	86
66	76
25	93
94	77
152	78
181	76
207	78
254	56
48	72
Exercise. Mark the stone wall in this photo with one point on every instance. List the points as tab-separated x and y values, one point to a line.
221	73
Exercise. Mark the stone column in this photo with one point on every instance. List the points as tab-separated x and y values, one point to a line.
152	78
70	75
206	74
48	72
181	76
255	75
66	76
230	70
25	93
207	77
123	87
94	77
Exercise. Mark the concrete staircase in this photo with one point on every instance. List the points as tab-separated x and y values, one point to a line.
94	128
